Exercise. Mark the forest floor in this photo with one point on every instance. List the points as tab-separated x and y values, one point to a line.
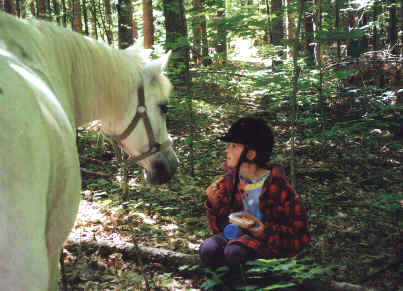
344	181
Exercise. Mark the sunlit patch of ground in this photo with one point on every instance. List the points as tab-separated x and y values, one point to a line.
85	270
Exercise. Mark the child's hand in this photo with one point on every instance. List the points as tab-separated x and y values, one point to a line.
256	231
212	192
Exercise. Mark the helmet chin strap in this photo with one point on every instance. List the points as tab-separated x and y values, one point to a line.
242	158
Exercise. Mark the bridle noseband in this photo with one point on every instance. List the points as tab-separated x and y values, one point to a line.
141	113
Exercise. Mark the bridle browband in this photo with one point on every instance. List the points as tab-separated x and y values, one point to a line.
141	113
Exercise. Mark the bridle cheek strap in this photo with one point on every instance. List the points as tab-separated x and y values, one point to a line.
141	113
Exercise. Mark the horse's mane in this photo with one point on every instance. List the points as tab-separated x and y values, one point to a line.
67	57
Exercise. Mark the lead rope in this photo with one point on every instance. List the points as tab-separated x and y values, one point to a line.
122	158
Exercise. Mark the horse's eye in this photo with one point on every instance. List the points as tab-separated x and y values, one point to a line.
164	108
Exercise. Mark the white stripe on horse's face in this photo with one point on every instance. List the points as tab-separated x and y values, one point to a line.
161	166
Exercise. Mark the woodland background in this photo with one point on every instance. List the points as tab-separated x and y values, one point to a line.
325	73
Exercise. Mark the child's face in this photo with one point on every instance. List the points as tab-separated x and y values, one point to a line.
233	151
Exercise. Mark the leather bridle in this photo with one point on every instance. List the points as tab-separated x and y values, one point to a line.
141	114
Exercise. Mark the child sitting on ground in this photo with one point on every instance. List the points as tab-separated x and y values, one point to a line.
263	192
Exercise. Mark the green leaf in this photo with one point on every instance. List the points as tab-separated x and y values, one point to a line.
279	286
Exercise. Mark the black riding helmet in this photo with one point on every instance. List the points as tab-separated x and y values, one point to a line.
255	134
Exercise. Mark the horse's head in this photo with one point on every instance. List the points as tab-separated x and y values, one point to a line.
146	138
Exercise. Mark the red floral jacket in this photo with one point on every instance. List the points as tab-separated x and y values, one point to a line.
284	215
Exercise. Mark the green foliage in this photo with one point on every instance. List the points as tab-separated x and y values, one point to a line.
289	267
215	279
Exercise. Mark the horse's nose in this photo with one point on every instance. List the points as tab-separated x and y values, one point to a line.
162	171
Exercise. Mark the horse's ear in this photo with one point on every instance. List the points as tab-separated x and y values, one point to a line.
164	60
157	66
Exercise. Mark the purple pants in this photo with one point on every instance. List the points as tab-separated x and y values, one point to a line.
216	252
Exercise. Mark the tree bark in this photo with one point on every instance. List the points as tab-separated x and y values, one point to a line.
172	260
125	22
290	27
268	28
148	27
93	10
76	23
318	53
204	40
293	97
128	250
10	6
401	27
338	29
392	28
22	11
48	15
85	15
40	13
221	45
109	23
135	30
177	40
197	32
56	9
32	8
374	38
308	20
277	27
364	38
64	10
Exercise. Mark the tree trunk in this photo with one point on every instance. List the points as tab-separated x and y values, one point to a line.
338	28
173	260
401	27
135	30
268	28
93	10
277	28
221	45
48	14
364	38
76	23
40	13
109	23
32	8
163	256
125	22
293	101
64	10
85	15
10	6
56	9
23	11
308	21
197	32
206	60
318	52
148	27
290	27
392	28
374	38
176	40
18	8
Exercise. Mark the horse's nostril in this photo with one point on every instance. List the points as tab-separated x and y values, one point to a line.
159	174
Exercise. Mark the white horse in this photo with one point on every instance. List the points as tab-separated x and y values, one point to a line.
51	81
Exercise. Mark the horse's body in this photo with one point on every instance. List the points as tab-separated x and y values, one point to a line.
51	81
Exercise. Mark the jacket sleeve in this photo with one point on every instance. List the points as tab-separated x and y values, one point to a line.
218	216
284	218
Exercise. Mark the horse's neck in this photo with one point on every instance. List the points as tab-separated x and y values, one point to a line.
92	81
101	83
96	77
